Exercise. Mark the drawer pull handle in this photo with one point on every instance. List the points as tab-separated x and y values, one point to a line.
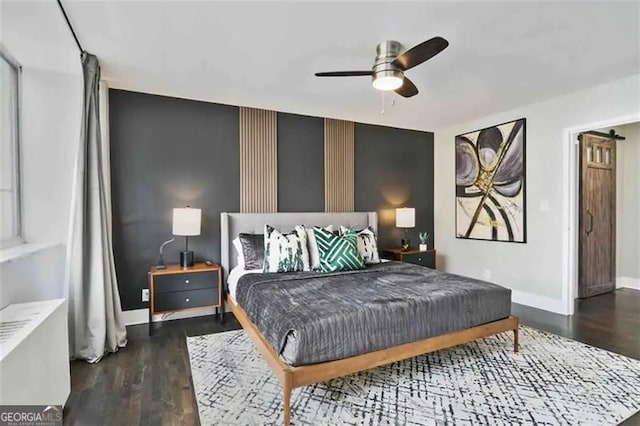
419	259
186	281
186	300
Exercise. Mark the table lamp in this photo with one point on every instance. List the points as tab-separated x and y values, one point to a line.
186	223
405	218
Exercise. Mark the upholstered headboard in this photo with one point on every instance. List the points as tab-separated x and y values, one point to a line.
232	224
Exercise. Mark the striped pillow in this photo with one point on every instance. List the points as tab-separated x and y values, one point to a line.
338	252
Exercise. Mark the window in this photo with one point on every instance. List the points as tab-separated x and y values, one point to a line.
10	229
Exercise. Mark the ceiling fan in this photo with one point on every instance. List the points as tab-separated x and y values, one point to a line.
389	67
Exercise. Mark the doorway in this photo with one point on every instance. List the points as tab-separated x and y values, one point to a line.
608	208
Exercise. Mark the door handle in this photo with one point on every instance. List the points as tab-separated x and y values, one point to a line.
588	231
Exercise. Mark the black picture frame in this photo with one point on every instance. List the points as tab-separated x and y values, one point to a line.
485	175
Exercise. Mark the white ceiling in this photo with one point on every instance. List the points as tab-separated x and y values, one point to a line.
264	54
35	34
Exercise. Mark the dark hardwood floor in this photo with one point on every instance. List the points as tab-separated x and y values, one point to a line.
149	381
610	321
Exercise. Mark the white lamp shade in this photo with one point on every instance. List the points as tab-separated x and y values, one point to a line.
186	221
406	217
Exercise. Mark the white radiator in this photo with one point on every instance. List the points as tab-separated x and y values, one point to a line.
34	354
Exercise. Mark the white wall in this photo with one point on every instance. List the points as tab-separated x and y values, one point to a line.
628	203
535	271
51	113
33	276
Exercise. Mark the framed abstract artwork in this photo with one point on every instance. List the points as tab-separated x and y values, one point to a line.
490	183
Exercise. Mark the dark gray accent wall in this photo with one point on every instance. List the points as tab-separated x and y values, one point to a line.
166	153
300	163
169	152
394	168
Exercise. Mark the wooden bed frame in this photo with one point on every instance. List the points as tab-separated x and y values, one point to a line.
295	377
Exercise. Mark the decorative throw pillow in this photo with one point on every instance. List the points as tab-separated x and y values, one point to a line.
252	250
367	244
285	252
338	252
314	255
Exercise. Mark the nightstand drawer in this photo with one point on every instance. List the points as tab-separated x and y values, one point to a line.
186	299
189	281
427	259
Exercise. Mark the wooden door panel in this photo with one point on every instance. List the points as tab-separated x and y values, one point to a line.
597	216
598	239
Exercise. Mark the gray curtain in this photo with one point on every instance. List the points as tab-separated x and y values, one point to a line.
95	315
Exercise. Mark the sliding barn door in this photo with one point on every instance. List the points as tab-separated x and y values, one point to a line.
597	238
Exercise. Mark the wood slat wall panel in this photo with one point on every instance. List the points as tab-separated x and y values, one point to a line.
338	165
258	161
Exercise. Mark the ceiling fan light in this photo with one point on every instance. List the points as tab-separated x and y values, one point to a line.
386	83
386	78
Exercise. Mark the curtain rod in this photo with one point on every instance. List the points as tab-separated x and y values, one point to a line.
73	33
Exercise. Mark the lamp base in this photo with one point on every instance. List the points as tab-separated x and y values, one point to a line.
405	243
186	258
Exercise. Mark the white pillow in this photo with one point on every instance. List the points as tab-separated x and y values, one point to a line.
314	254
367	244
238	246
285	252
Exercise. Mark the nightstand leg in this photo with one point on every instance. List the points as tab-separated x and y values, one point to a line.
150	323
221	293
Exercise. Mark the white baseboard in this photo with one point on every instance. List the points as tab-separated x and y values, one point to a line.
141	316
135	316
628	282
540	302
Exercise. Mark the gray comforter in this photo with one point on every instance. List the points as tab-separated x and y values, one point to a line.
314	317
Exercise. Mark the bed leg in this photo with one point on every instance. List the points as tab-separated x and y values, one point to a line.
516	340
286	401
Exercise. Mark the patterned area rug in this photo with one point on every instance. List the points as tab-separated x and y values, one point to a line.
551	381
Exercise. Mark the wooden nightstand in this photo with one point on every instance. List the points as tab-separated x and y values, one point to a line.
176	289
413	255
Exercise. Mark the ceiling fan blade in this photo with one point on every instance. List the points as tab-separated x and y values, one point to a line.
343	73
420	53
408	89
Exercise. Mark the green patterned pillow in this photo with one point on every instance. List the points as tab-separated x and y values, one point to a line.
338	252
285	252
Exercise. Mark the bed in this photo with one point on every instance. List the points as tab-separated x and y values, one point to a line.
312	327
